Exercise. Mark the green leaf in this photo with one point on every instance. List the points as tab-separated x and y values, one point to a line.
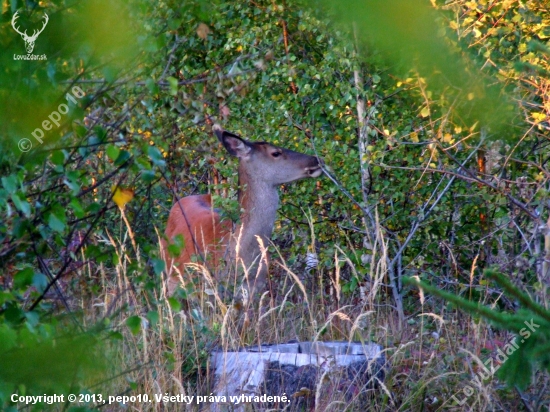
156	156
122	157
134	324
6	297
100	134
23	278
13	314
176	245
153	317
77	208
21	204
57	158
158	266
56	223
173	85
113	152
174	250
40	282
81	131
33	318
116	335
175	304
148	176
152	86
10	183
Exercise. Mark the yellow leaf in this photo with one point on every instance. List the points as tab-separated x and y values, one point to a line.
121	196
538	117
471	96
458	129
448	138
425	112
203	30
414	137
454	25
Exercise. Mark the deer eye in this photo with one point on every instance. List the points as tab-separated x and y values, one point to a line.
276	154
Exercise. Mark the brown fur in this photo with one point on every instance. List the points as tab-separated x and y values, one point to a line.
262	168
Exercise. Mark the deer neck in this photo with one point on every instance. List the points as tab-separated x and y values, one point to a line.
259	202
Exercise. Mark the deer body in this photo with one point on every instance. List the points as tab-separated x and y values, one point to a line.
262	168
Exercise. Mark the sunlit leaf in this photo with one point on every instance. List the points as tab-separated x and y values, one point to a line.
425	112
122	195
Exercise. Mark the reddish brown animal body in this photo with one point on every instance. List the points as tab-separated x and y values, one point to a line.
262	168
205	235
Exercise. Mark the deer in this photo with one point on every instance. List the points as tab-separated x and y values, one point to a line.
262	168
29	40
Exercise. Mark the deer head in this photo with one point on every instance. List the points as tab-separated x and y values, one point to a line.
265	163
29	40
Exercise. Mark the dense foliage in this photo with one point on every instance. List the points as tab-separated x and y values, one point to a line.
435	146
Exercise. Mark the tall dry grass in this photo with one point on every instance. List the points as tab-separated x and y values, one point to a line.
434	355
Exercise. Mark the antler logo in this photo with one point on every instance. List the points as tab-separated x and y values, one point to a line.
29	40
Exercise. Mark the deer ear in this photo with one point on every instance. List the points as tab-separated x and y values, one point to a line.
232	143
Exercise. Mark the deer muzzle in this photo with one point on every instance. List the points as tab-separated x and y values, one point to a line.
317	170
